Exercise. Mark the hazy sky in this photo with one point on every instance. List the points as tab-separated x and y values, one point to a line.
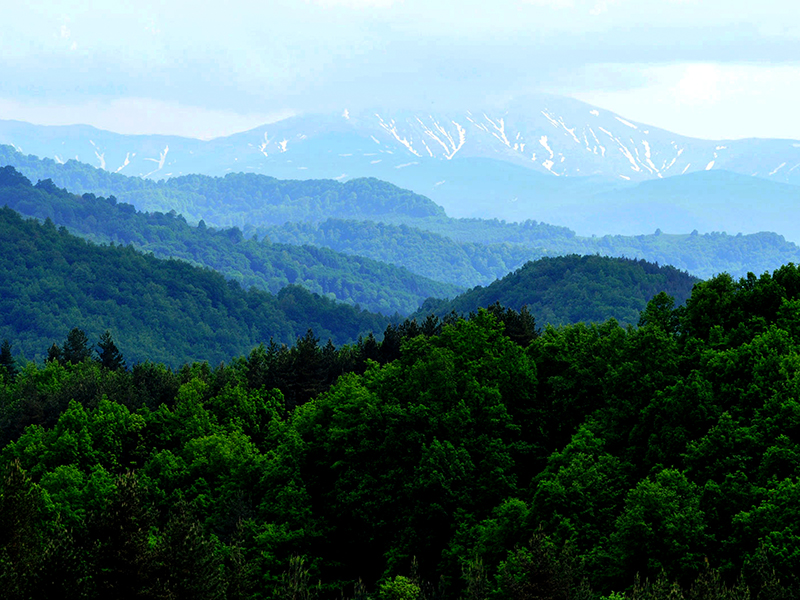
708	68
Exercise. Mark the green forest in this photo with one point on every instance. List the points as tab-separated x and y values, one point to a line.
173	312
160	310
345	217
198	408
375	286
478	458
572	289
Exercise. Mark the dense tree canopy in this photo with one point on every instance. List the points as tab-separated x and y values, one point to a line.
445	461
570	289
163	310
375	286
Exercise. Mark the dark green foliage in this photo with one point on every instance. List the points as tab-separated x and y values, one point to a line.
124	561
54	353
570	289
168	311
263	265
76	347
540	570
107	352
8	368
23	547
188	564
447	461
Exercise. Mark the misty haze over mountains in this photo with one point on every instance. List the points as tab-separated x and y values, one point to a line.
548	158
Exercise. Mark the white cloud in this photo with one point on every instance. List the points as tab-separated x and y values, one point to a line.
65	32
712	101
356	4
700	84
601	6
557	4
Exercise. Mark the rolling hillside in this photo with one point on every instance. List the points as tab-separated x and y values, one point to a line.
572	289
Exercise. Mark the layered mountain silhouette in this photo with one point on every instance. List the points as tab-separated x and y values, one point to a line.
548	158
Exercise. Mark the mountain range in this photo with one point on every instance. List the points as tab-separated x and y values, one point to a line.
363	218
548	158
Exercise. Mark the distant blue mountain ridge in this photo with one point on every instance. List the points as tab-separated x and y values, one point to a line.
547	158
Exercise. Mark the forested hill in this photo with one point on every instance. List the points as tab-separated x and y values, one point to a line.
376	286
433	255
486	248
163	310
572	289
238	199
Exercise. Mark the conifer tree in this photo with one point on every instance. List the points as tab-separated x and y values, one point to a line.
54	353
76	347
7	363
108	353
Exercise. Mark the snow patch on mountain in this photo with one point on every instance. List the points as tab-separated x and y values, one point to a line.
553	121
543	142
125	163
391	128
778	168
263	146
159	161
500	130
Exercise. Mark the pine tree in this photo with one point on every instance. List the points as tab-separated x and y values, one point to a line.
76	347
7	366
187	560
108	353
54	353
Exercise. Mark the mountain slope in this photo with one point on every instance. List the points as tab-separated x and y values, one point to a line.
547	158
464	252
714	200
263	265
571	289
550	135
161	310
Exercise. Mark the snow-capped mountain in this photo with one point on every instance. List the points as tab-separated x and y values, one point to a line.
537	158
547	134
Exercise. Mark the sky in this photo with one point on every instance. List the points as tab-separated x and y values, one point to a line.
715	69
